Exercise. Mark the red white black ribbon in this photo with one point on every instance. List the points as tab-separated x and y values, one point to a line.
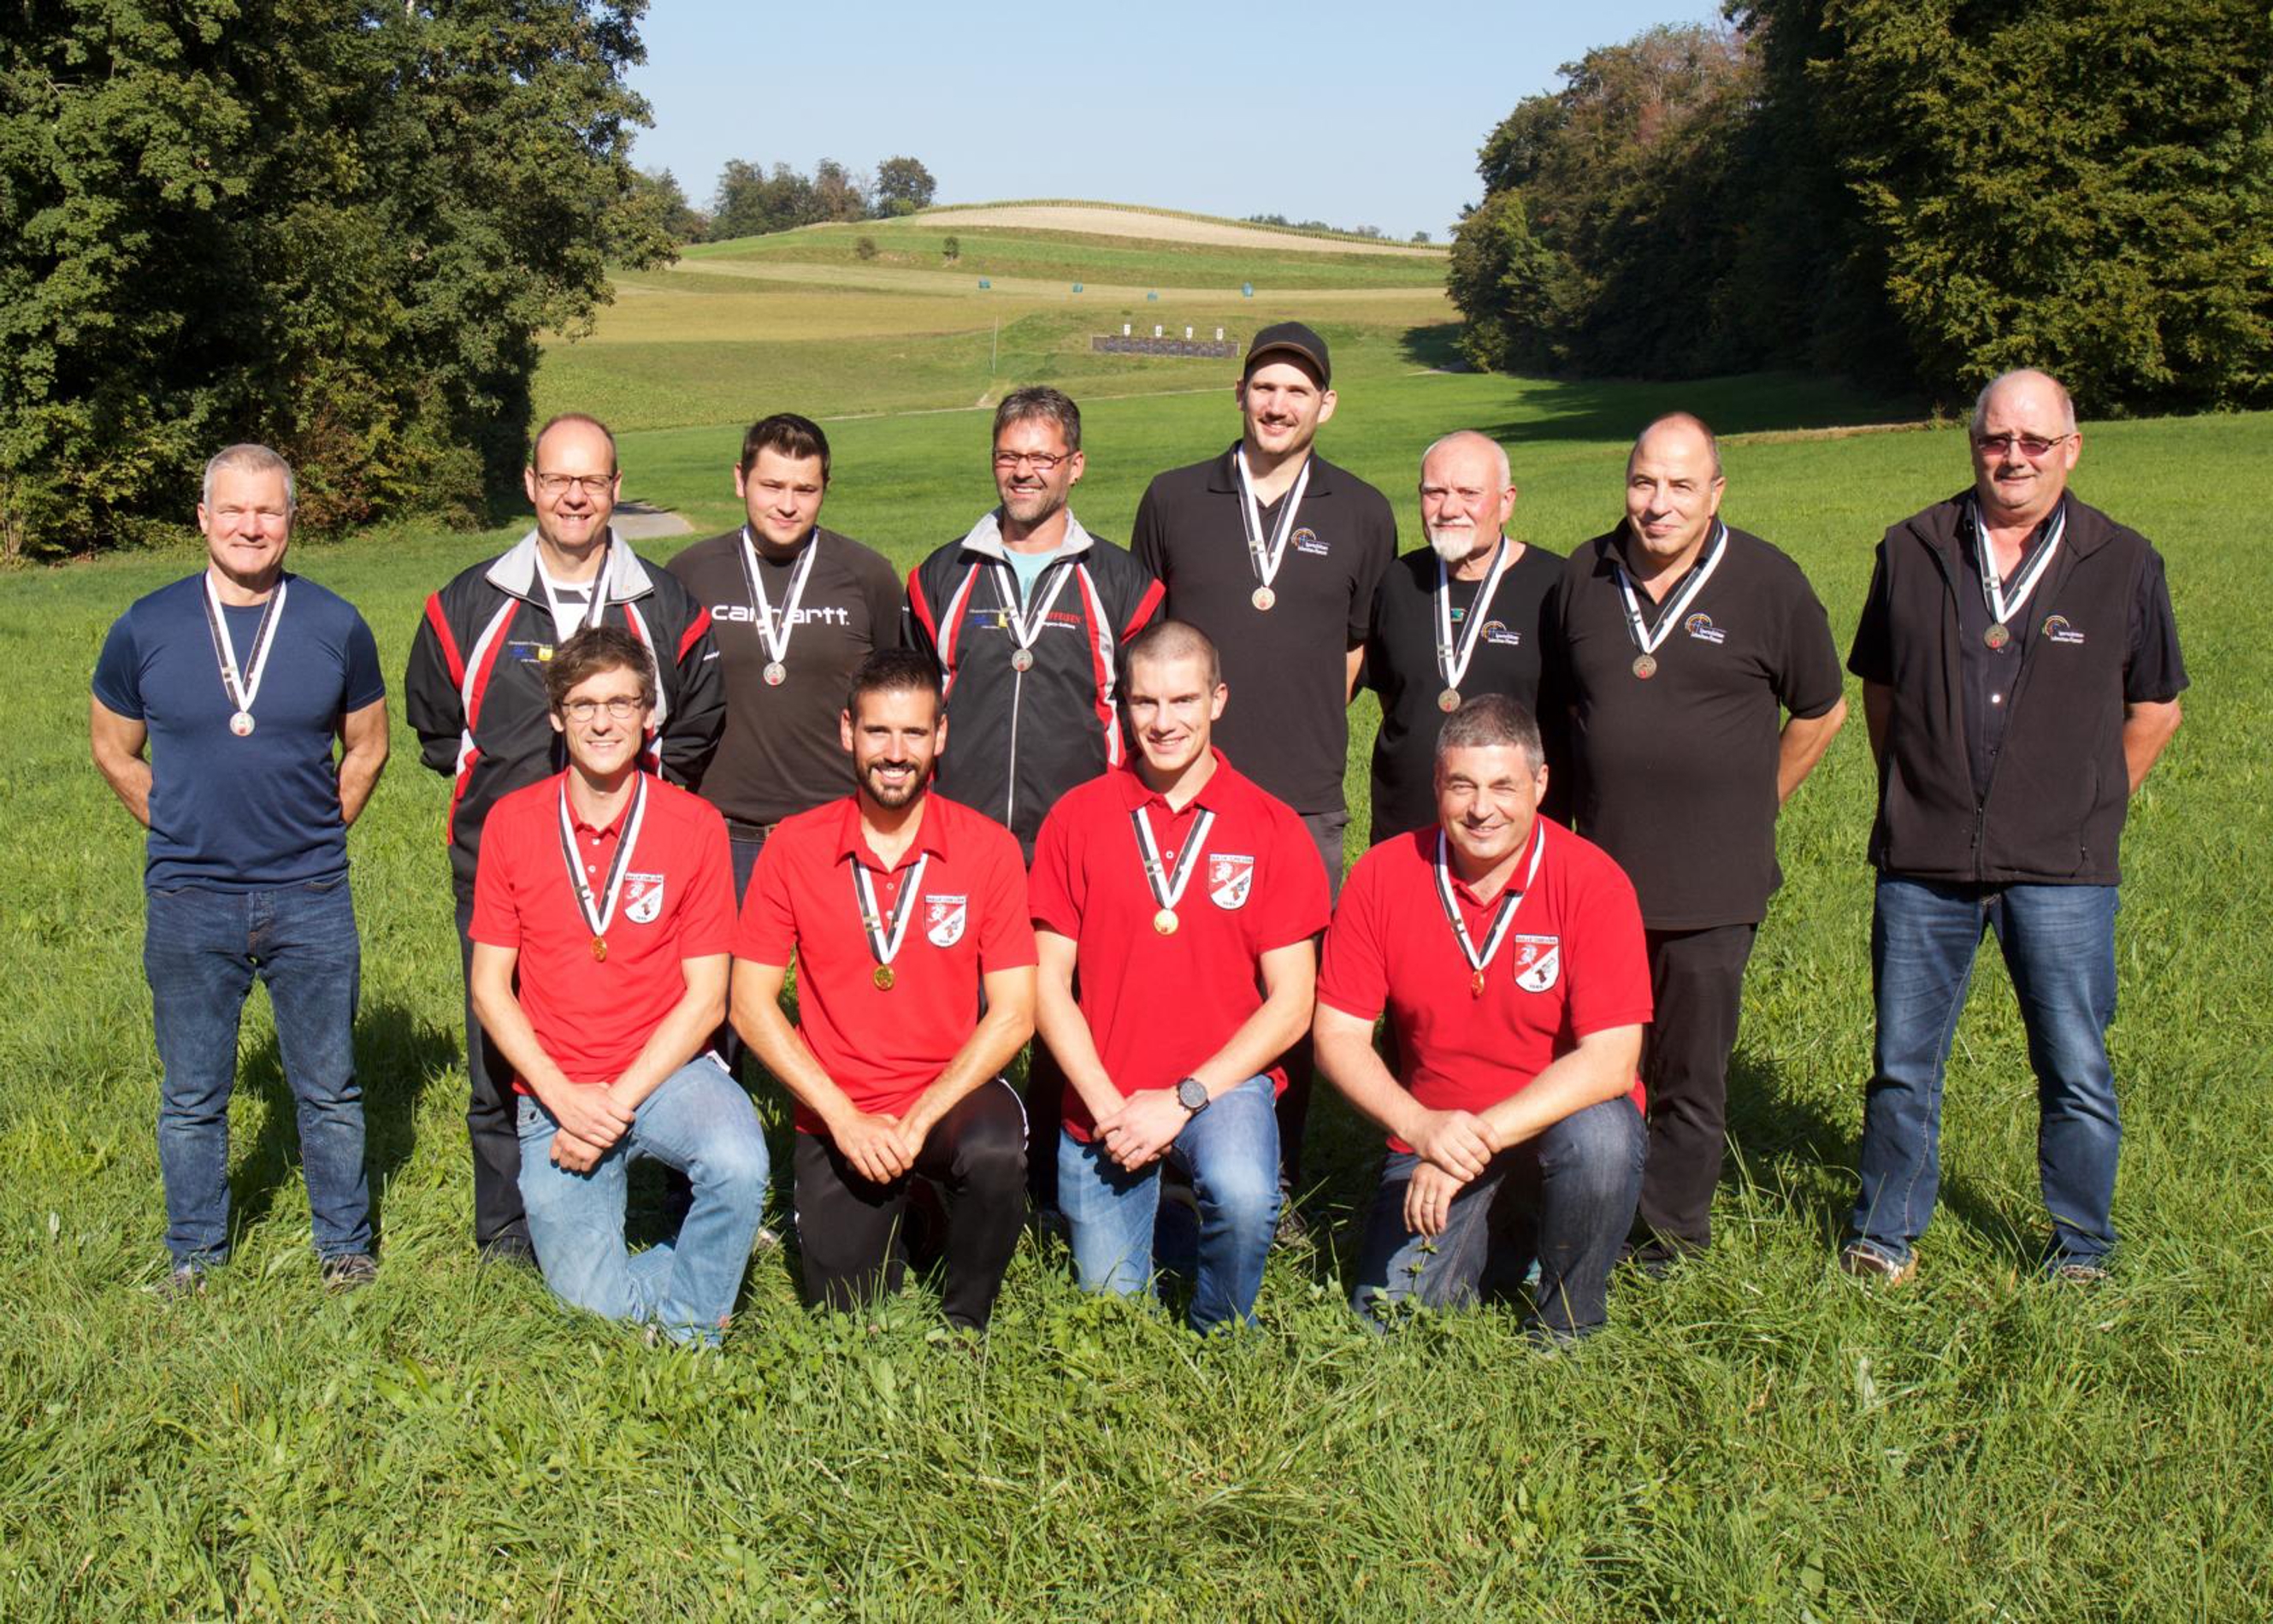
1266	556
776	631
1453	654
886	934
1501	921
242	683
1167	887
2034	563
600	912
567	622
1024	628
1646	637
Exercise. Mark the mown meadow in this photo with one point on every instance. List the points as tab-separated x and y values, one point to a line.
1754	1436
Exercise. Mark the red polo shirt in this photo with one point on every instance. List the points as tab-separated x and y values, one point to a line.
1572	963
885	1048
594	1015
1156	1006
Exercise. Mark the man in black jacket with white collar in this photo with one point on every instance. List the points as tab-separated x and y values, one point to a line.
2021	674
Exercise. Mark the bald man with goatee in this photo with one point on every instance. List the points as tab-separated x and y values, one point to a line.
1698	685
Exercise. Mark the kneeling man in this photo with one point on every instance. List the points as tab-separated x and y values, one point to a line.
1189	993
1510	952
915	984
603	908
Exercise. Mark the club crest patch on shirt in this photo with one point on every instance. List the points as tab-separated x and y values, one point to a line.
2059	628
944	917
1306	540
1537	961
1230	877
642	897
1700	627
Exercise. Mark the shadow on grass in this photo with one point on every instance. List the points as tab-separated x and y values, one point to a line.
395	1054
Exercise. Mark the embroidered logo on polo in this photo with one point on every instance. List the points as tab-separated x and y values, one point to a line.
1306	540
1501	633
642	897
527	653
944	917
2059	630
1230	878
1700	627
1537	961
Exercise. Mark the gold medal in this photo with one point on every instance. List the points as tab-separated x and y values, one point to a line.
1476	984
1449	701
883	978
600	947
1263	597
1165	921
1997	634
1645	666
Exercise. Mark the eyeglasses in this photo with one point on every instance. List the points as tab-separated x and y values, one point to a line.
618	710
590	484
2030	445
1009	462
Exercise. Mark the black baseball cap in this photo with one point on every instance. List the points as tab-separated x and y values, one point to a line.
1291	338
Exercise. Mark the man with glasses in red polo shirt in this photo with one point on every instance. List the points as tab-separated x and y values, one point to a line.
906	914
1510	952
602	911
1174	873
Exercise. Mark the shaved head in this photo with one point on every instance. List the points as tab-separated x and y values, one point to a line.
1174	640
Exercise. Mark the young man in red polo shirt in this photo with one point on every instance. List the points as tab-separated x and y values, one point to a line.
1186	898
603	907
907	914
1511	953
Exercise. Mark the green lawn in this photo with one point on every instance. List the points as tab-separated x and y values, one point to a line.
1754	1437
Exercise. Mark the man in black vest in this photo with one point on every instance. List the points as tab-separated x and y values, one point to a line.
2021	674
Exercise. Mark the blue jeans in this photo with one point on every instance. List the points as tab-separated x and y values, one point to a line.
698	1121
200	951
2058	942
1231	1152
1564	1198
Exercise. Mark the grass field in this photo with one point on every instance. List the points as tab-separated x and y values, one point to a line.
1753	1437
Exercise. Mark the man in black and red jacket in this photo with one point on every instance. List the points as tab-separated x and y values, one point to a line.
475	692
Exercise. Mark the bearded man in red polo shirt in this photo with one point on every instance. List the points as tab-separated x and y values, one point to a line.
603	907
1174	877
1511	953
906	913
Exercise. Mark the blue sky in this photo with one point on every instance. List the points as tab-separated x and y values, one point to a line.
1352	113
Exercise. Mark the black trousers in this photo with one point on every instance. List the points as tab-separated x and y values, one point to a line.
492	1121
853	1233
1697	984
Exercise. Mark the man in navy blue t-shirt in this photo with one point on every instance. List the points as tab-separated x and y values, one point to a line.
236	680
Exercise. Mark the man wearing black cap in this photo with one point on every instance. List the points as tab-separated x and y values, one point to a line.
1274	553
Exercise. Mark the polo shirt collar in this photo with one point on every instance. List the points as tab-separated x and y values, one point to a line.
1135	792
1515	875
614	824
931	835
1223	476
986	537
624	577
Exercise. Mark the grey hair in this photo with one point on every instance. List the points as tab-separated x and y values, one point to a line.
1498	451
1492	721
2059	392
251	459
1039	399
1679	419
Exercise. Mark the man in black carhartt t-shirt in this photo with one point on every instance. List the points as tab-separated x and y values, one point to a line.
1274	553
794	609
1460	617
1679	644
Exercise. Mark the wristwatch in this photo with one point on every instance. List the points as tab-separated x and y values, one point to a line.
1192	1095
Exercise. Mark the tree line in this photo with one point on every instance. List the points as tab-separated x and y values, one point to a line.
1916	193
333	226
751	200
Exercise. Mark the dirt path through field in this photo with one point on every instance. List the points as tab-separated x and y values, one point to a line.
1160	229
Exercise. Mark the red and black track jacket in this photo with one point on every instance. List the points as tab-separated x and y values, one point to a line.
1018	740
475	690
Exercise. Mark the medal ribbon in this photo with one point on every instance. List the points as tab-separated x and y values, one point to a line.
562	624
886	934
1025	629
1453	654
1647	638
777	641
242	690
1501	919
1168	889
599	912
1266	557
2037	560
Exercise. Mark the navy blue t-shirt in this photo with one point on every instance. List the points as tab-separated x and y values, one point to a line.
231	814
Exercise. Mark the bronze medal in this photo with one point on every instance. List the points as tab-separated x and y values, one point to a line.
1645	666
883	978
1449	701
1997	634
1165	921
1476	984
600	948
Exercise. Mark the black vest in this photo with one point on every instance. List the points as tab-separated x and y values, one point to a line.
2059	789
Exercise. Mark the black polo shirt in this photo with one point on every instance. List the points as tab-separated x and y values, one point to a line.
781	752
1288	723
1402	666
1675	776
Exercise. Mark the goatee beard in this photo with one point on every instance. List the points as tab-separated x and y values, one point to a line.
1454	546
